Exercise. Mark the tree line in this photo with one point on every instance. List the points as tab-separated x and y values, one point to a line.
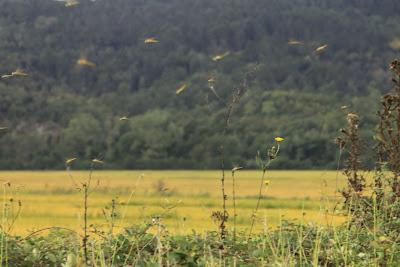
62	109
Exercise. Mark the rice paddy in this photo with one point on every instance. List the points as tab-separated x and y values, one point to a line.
183	199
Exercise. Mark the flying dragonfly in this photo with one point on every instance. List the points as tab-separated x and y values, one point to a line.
236	168
97	161
69	161
71	3
181	89
294	42
151	40
220	56
19	72
85	62
321	48
6	76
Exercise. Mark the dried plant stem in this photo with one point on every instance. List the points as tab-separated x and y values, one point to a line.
85	221
337	178
253	216
228	113
379	176
112	217
234	204
45	229
224	218
85	238
337	172
3	226
14	217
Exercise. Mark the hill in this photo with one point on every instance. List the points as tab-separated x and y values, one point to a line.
62	109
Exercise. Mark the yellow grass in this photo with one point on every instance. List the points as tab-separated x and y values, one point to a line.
50	199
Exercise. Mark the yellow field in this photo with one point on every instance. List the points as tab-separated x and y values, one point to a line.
185	198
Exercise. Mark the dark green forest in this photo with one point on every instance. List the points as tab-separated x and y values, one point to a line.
64	110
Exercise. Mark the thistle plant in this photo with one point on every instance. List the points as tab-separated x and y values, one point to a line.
110	215
85	188
388	132
349	141
264	161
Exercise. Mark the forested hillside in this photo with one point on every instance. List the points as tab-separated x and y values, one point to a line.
63	109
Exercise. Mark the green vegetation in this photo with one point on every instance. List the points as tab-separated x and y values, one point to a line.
62	110
294	245
154	84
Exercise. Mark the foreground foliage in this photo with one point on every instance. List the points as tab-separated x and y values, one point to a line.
290	245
